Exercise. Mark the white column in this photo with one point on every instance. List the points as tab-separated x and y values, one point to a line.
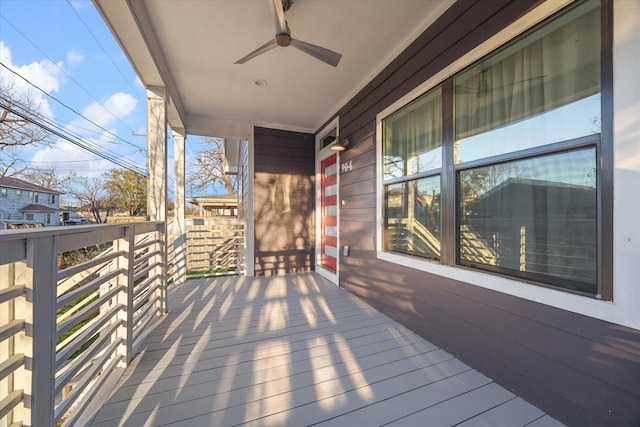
179	226
157	154
157	182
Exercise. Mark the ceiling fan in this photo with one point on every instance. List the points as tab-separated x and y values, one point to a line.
283	39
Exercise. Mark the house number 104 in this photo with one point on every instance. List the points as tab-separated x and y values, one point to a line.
346	166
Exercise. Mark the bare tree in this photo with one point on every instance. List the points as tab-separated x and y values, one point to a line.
90	193
208	169
11	165
18	129
48	178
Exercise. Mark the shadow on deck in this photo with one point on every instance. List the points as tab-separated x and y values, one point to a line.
298	351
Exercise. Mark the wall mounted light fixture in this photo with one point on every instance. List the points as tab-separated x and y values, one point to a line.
340	145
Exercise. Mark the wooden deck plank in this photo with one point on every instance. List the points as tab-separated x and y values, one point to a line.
516	412
360	331
385	411
364	350
458	409
297	351
545	421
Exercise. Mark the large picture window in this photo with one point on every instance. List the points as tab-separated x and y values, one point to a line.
514	187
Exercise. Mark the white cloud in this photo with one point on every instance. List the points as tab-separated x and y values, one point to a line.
74	57
67	156
44	74
121	104
117	106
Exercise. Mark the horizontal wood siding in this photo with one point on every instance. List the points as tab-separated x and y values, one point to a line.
580	370
283	201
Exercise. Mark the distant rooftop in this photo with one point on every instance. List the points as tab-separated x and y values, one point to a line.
37	208
24	185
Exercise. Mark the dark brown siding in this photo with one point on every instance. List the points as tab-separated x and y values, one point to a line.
580	370
283	201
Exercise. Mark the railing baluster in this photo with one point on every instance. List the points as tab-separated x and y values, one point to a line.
161	278
126	261
41	285
20	379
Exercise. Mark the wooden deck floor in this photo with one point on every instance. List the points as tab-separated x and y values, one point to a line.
298	351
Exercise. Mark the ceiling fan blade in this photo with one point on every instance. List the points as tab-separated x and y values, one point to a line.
271	44
278	13
325	55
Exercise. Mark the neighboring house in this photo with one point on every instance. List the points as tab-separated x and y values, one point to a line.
23	203
70	216
488	194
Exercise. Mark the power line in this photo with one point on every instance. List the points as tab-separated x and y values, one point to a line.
82	144
68	107
104	50
85	143
69	76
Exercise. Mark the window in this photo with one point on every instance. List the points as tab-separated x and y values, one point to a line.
51	199
412	161
18	194
534	218
515	188
47	218
329	138
3	192
29	217
35	197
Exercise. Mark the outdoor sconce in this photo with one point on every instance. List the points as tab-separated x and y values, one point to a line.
340	145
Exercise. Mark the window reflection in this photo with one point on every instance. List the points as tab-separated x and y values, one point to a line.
413	137
413	217
533	216
543	89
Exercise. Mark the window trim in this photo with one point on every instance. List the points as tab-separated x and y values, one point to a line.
447	266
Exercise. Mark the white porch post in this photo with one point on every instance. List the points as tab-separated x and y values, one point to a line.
157	154
157	182
179	226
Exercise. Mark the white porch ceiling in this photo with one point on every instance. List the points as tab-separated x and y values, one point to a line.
190	46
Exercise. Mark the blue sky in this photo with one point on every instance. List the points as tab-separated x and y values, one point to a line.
65	48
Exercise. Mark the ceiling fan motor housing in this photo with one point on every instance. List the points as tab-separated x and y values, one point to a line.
283	39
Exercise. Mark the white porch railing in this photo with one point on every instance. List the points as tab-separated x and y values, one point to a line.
75	304
211	246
